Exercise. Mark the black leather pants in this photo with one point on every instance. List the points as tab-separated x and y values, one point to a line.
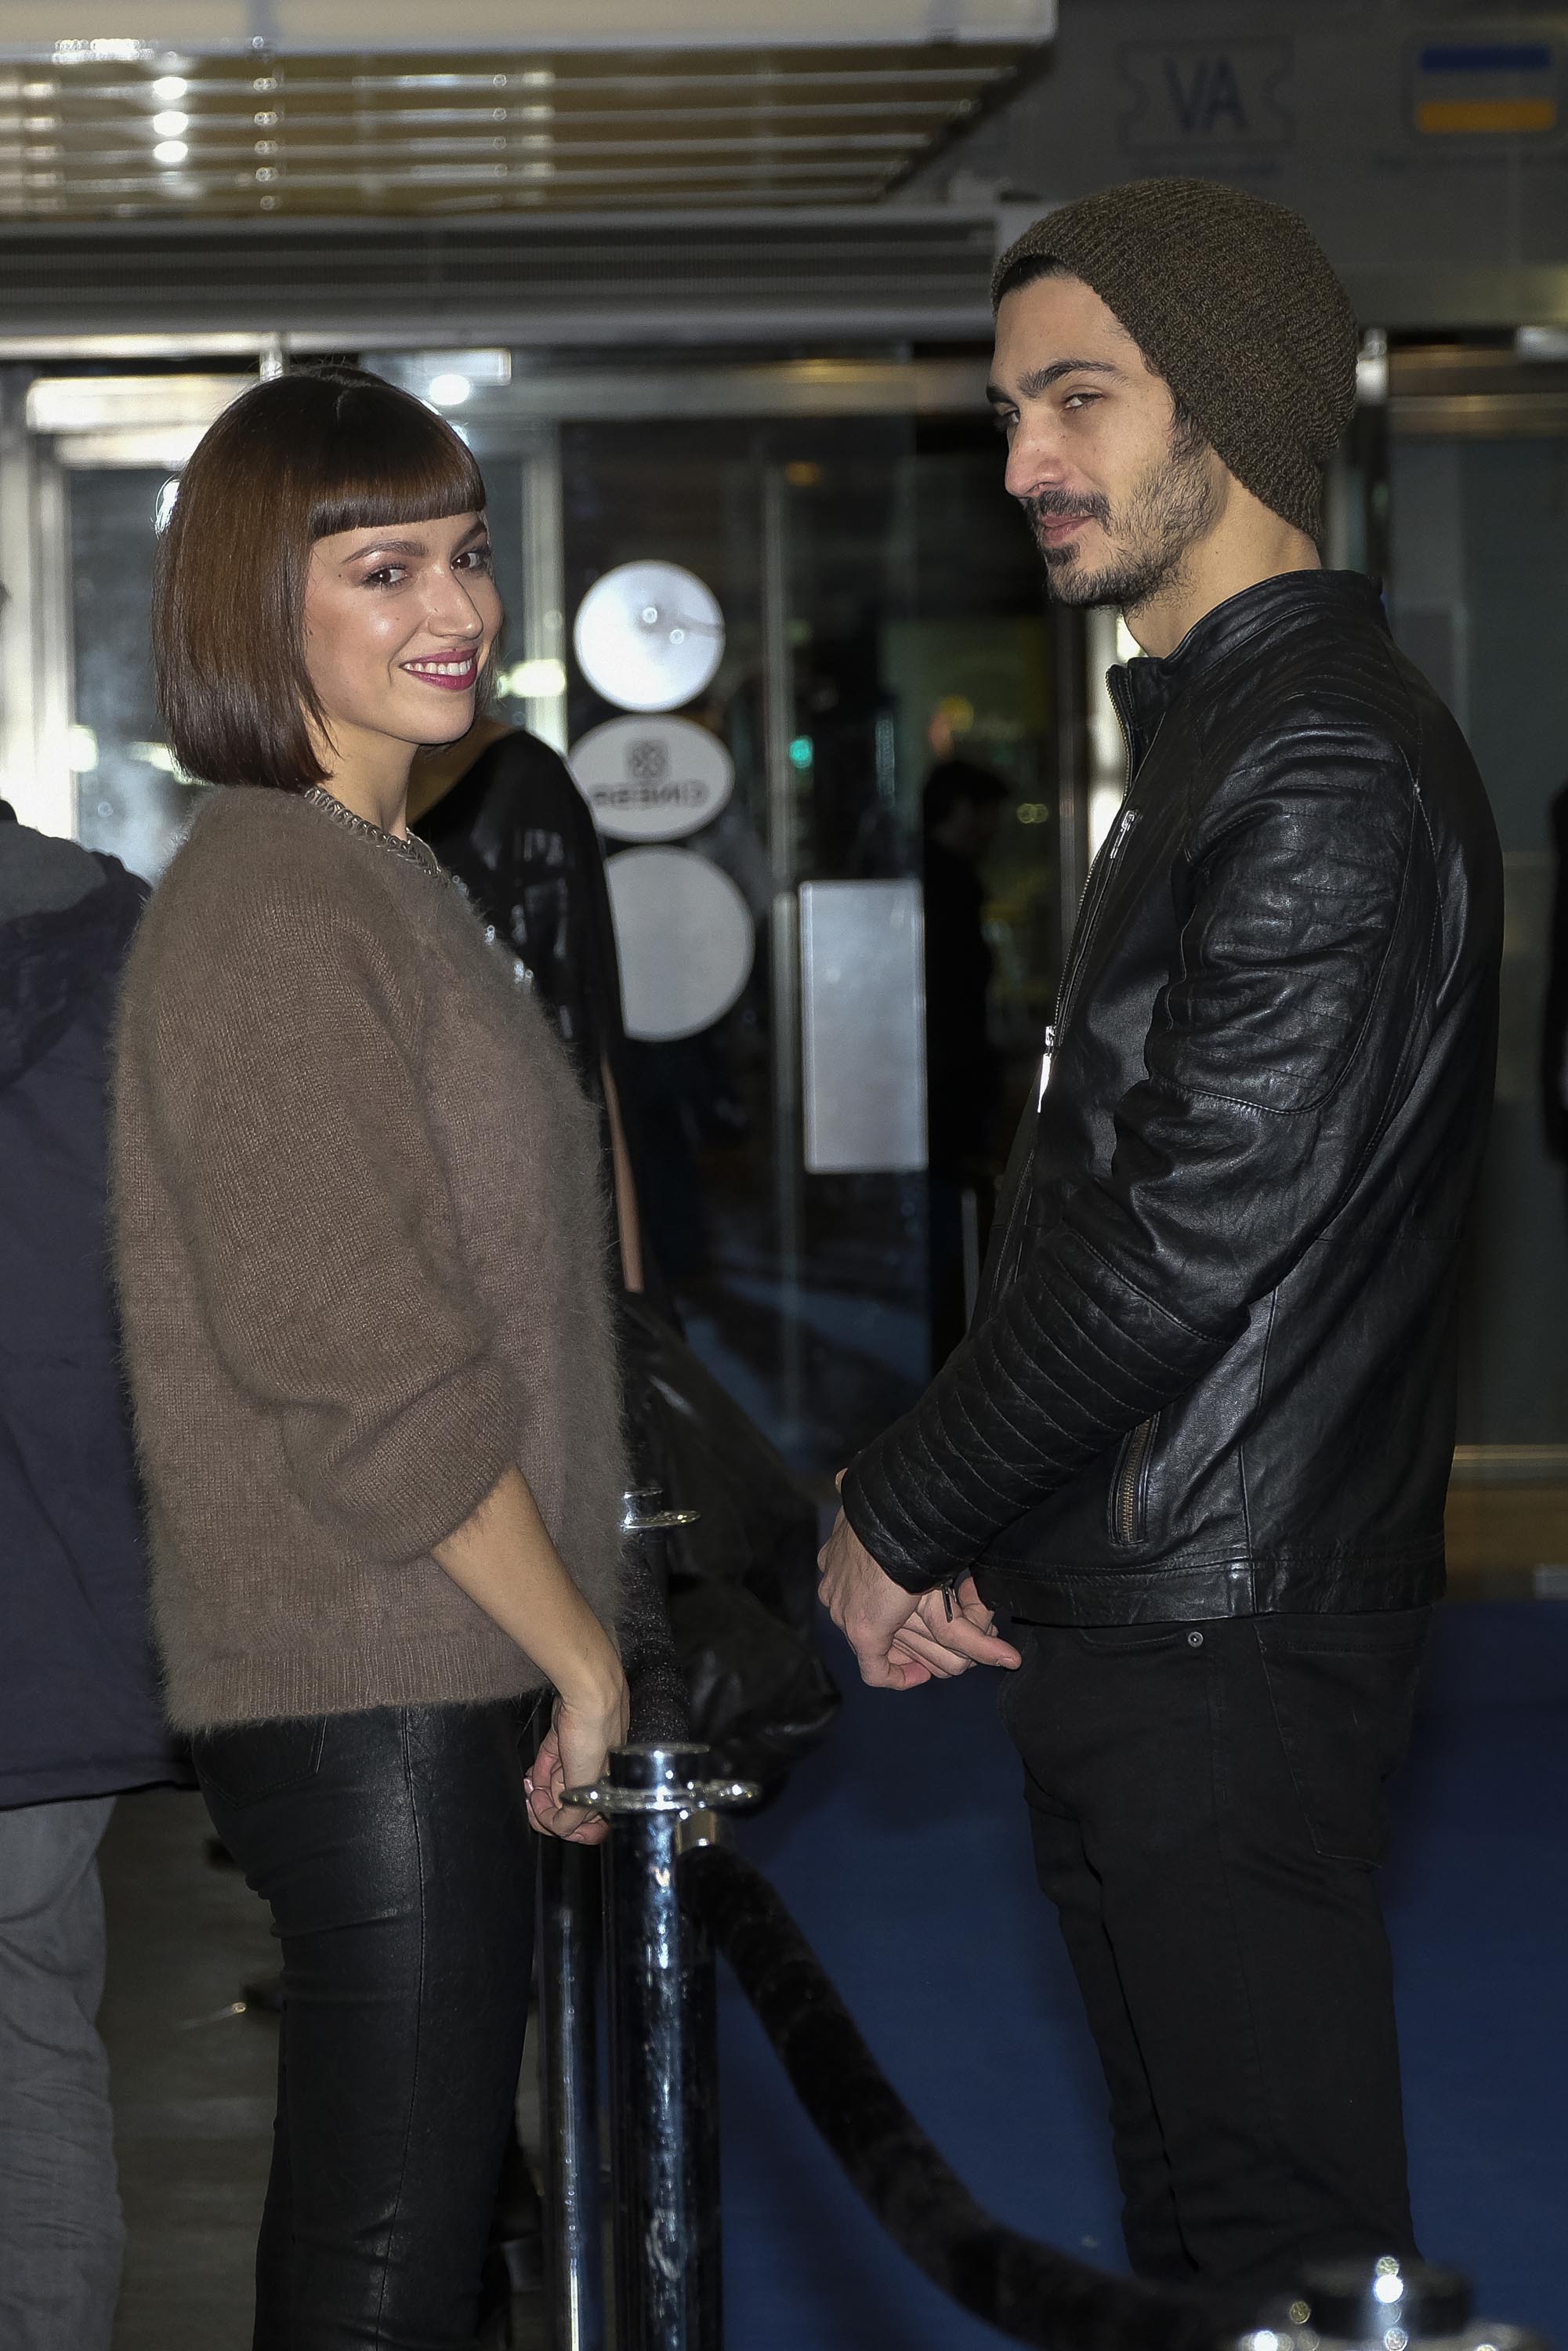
394	1850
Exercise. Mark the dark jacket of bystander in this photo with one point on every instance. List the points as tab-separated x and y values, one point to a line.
79	1713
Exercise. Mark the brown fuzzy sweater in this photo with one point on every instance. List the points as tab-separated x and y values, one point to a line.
361	1242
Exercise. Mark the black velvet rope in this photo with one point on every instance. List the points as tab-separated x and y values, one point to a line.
1026	2290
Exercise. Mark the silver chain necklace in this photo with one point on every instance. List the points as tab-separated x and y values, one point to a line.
406	846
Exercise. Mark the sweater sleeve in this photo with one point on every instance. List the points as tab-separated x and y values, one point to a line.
288	1109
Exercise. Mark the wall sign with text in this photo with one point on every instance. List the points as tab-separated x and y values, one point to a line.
652	778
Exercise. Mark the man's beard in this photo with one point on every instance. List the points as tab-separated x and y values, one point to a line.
1175	504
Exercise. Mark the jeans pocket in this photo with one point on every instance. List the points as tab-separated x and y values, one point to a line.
1130	1640
248	1762
1343	1689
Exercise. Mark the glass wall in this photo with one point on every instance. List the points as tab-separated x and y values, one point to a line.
1479	596
130	797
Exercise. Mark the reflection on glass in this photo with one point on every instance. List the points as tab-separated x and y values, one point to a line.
1479	598
131	799
879	566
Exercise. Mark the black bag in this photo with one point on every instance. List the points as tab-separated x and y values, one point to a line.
741	1581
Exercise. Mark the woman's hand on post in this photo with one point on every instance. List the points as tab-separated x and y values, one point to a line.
503	1557
574	1753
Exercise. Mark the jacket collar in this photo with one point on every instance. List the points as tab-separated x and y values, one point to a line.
1145	689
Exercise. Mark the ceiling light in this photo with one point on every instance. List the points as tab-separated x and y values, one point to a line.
170	126
450	390
170	87
170	150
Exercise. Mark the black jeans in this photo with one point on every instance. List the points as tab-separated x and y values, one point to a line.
395	1849
1206	1802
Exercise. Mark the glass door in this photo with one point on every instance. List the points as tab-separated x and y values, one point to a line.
884	616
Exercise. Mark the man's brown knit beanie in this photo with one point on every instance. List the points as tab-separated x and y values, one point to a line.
1233	302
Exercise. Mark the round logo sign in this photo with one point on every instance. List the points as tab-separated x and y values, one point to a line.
648	636
684	938
652	778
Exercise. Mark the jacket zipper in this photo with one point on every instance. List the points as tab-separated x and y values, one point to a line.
1006	1264
1130	1507
1100	880
1086	929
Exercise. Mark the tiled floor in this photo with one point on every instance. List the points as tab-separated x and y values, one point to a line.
193	2081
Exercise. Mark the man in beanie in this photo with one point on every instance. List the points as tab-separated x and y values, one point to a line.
1197	1439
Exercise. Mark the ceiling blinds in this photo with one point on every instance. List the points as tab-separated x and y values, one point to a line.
251	107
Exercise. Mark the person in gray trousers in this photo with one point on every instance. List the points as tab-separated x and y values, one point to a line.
79	1718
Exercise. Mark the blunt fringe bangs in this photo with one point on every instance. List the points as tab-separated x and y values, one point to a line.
291	461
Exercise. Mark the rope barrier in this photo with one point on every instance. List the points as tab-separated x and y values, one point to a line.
1029	2290
677	1895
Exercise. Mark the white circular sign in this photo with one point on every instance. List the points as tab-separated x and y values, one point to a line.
652	778
685	940
648	636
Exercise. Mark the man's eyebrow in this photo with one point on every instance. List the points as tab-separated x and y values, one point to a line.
1040	379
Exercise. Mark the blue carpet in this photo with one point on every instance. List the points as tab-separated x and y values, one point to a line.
904	1851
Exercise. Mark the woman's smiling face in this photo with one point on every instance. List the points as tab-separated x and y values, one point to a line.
398	626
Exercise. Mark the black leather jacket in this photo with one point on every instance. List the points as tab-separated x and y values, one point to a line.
1212	1369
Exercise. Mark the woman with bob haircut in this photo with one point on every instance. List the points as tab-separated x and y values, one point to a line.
361	1240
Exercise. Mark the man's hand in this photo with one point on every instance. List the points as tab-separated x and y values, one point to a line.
950	1640
900	1640
869	1610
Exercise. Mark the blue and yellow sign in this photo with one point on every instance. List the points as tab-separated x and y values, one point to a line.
1485	89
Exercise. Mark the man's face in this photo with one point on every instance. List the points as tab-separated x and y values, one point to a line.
1116	490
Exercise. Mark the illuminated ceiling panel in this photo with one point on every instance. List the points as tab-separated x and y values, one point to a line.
124	129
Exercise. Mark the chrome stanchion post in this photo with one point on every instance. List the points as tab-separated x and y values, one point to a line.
570	1881
658	2231
699	2004
663	2069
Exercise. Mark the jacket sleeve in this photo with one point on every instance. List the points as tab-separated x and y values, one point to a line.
1273	1056
287	1108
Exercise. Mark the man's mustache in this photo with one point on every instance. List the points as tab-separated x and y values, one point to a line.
1055	505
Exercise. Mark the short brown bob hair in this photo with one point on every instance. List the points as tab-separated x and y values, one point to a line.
291	461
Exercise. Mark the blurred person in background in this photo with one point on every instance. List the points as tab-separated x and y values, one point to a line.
80	1714
1197	1440
501	811
362	1251
961	811
1554	1010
